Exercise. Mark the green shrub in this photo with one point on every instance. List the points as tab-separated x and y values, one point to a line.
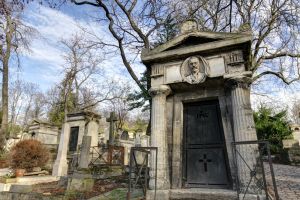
272	126
27	154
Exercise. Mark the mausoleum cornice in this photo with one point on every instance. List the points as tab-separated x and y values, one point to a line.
160	54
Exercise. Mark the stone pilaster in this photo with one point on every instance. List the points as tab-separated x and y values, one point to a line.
159	137
60	167
244	129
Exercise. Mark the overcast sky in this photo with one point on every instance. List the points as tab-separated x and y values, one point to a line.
44	64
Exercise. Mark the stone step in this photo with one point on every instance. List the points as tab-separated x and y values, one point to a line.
208	194
36	179
202	194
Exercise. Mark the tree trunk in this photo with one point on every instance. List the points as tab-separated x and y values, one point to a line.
5	62
4	123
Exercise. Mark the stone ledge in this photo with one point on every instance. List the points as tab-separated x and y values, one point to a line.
198	194
203	194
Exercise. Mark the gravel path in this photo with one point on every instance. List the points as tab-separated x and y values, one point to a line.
287	180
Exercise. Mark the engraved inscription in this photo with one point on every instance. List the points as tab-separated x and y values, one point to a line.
235	58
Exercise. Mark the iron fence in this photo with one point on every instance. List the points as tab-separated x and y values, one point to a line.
257	177
139	171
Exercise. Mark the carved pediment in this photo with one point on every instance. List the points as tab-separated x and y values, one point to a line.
195	38
196	42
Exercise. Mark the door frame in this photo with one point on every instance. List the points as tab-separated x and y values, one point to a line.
69	143
184	159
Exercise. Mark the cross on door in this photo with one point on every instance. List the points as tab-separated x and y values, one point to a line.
205	161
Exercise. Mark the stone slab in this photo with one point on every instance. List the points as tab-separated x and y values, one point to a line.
173	73
37	179
160	194
25	196
216	67
207	194
290	143
119	193
80	184
21	188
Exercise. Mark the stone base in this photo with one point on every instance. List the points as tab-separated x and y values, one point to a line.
203	194
60	168
160	195
198	194
80	184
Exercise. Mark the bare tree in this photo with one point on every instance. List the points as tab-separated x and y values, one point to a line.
119	104
26	102
35	104
274	24
14	37
16	94
132	25
84	85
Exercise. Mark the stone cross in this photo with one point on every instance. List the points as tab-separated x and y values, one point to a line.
112	119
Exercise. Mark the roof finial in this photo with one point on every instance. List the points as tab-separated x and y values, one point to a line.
189	25
245	28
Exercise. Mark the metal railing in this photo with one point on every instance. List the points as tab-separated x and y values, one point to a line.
141	170
104	157
257	173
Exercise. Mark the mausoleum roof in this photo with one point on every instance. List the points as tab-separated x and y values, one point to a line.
197	41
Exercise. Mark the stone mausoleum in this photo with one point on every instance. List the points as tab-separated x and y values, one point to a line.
77	125
200	106
46	133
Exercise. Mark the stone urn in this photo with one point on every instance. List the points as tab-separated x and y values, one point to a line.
20	172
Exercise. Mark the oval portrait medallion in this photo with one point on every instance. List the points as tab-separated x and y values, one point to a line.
193	70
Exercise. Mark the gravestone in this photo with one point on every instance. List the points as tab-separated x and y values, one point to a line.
124	135
200	88
81	179
112	119
126	142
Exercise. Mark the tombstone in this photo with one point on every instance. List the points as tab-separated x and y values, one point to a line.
124	135
200	105
85	152
137	140
145	141
76	126
81	179
112	119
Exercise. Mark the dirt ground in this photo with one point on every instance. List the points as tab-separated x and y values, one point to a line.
101	186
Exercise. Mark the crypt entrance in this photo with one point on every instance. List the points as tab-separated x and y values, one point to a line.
205	161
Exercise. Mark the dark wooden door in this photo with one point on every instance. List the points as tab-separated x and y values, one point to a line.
73	138
204	149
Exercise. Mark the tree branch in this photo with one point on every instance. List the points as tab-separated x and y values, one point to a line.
278	75
282	54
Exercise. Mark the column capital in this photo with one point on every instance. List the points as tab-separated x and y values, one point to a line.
242	80
162	89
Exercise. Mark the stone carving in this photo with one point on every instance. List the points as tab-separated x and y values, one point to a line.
235	58
157	70
189	26
193	70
